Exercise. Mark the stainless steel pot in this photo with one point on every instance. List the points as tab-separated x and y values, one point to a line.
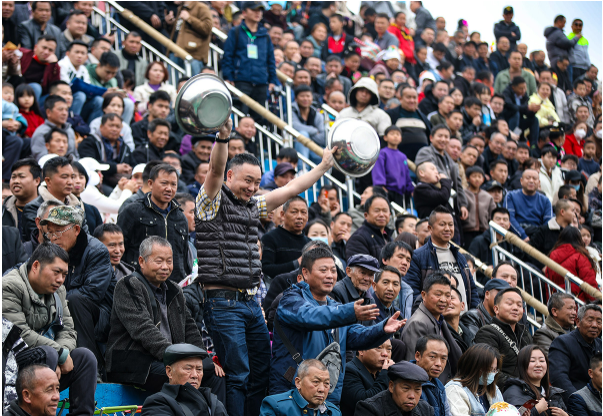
203	105
358	146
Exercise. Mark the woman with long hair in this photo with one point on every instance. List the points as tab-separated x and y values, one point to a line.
533	384
473	390
570	252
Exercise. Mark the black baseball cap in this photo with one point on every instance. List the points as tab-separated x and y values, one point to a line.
253	5
508	10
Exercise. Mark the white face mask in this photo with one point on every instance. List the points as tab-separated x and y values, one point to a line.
599	134
580	133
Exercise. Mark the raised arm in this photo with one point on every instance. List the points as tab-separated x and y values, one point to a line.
217	163
298	185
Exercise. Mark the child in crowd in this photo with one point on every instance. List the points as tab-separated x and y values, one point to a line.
483	93
335	100
569	162
433	189
550	174
391	170
287	154
479	204
12	120
587	163
25	99
57	141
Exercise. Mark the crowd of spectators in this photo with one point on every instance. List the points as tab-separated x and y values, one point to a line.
134	253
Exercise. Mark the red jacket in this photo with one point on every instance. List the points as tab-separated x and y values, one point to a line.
407	44
52	72
572	147
577	264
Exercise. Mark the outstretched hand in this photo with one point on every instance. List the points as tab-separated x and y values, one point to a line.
393	325
225	130
365	312
328	158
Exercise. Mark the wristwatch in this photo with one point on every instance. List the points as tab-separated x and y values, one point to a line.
218	140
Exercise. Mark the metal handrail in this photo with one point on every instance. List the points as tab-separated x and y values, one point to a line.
146	46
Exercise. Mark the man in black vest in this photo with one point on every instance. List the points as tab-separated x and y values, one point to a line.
229	266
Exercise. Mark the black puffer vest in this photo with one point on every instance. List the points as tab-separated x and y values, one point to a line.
227	246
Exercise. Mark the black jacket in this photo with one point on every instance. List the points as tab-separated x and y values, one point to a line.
571	355
12	248
190	162
501	61
517	392
15	410
345	292
91	275
503	29
511	107
281	249
544	238
415	130
140	135
278	286
193	294
428	196
135	340
463	85
141	219
368	239
92	147
147	152
428	104
382	404
172	398
521	337
474	319
464	340
480	248
359	384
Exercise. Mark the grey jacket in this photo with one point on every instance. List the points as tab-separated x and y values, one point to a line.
315	127
423	19
29	32
446	165
579	57
140	66
38	146
30	312
548	332
422	323
557	44
372	114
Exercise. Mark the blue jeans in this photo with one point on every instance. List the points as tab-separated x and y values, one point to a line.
79	99
242	343
196	66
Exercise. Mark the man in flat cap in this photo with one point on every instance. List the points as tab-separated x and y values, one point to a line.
403	397
90	280
183	394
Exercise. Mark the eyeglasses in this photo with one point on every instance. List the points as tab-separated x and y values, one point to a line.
58	234
495	371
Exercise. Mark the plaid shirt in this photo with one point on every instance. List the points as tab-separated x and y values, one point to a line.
206	209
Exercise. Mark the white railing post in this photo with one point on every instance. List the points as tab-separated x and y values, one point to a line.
188	68
350	185
289	112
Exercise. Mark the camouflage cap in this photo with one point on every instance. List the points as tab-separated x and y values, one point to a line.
64	215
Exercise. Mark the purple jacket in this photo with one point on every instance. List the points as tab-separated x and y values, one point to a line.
391	171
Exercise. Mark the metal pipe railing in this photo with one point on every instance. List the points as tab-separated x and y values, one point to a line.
145	46
557	268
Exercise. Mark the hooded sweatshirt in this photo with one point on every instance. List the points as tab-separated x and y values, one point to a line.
557	44
372	114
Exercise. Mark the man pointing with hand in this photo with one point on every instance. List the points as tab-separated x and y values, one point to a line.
307	321
227	215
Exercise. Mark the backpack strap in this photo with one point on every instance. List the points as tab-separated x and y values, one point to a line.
294	353
512	344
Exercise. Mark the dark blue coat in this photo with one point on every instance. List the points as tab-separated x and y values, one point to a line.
425	261
571	355
434	393
578	406
292	403
236	66
309	327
